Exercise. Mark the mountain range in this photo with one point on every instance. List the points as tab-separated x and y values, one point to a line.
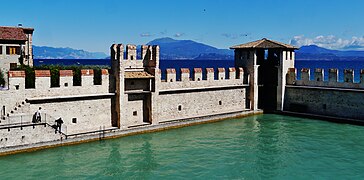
45	52
188	49
313	52
171	49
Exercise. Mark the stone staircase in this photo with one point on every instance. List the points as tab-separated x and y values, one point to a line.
17	114
21	107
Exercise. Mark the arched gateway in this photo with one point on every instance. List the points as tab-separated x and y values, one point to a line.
267	63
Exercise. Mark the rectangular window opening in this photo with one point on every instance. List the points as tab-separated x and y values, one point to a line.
265	54
179	107
135	113
324	106
13	50
13	65
74	120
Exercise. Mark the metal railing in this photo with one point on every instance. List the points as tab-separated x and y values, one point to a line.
28	120
51	123
20	121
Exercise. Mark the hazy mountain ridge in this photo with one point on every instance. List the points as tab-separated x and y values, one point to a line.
187	49
313	52
45	52
171	49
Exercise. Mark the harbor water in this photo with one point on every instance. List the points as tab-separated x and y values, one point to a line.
257	147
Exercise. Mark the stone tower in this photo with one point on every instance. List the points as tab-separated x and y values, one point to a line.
135	84
266	62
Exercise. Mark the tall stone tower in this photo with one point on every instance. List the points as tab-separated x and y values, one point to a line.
267	63
135	84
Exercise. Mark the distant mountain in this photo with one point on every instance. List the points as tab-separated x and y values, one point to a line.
172	49
313	52
44	52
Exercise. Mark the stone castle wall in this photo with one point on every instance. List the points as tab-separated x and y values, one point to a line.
82	108
328	98
20	136
134	94
202	95
150	99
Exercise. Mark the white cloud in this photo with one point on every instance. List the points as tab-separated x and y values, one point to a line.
163	32
330	42
234	36
179	34
146	35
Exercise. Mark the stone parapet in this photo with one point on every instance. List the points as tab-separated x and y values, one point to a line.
43	80
197	74
149	56
318	79
209	80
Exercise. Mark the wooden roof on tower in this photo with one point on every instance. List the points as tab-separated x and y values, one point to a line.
263	44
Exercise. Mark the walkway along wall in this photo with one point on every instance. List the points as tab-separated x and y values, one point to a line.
327	98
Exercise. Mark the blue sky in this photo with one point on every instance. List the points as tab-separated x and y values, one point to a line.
94	25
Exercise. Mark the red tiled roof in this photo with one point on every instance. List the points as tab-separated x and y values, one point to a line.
171	70
263	43
185	70
210	70
13	33
64	73
104	72
16	74
87	72
305	70
42	73
291	69
232	69
197	70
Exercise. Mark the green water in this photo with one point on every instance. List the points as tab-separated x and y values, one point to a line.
258	147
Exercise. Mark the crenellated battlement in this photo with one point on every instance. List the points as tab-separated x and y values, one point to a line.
149	56
202	78
319	80
43	79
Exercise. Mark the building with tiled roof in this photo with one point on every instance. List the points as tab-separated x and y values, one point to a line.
266	61
15	47
263	44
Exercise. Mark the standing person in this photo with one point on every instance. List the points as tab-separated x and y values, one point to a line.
38	115
59	123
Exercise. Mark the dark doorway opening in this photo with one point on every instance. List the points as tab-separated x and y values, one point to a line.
268	61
